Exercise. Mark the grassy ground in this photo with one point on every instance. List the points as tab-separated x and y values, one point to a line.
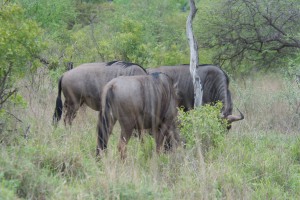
258	159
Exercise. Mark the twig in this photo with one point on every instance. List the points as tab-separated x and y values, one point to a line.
26	132
14	116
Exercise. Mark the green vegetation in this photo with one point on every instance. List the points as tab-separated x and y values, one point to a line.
20	44
259	158
206	119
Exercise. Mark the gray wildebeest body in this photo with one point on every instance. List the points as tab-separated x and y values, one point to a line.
215	83
84	84
139	102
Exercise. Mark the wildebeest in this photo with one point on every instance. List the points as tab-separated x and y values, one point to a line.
215	83
139	102
84	84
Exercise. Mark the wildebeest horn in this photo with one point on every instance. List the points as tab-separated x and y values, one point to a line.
233	118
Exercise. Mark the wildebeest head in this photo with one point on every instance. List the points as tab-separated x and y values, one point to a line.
226	112
215	84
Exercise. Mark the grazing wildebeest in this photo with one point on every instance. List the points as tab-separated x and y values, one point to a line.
139	102
84	84
215	83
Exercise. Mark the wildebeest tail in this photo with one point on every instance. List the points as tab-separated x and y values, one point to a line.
59	105
107	108
105	119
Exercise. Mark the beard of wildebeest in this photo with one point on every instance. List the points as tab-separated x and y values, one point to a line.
215	85
139	102
84	84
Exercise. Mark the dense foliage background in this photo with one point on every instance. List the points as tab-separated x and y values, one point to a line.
240	36
256	42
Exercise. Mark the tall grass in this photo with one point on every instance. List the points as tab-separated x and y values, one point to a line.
258	159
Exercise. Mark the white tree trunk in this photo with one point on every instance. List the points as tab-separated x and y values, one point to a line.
198	92
194	59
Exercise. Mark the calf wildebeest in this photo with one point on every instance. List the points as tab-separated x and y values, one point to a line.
215	83
84	84
139	102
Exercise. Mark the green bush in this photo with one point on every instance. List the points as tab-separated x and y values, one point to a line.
20	45
203	125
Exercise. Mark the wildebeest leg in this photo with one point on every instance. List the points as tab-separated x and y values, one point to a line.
159	139
71	108
168	144
171	141
66	112
102	140
171	138
141	134
124	138
104	128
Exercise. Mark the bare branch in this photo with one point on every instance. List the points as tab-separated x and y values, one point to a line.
7	95
4	79
42	60
14	116
92	19
255	30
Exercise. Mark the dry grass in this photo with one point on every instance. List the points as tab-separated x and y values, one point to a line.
269	103
259	158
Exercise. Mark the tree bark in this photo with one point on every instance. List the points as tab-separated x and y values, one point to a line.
194	58
198	92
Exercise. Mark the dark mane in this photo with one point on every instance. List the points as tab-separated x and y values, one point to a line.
111	62
156	75
225	74
203	65
124	64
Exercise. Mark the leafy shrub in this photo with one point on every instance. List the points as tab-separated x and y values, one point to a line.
203	125
51	15
127	41
20	45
